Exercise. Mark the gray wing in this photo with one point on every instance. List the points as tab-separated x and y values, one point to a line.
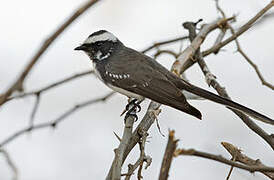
144	79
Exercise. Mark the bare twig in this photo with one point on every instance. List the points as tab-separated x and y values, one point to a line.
52	85
219	158
10	163
168	156
163	43
18	84
55	122
160	52
237	155
35	108
243	29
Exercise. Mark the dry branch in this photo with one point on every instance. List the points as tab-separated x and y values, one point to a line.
168	156
52	85
18	84
155	45
242	29
55	122
239	49
222	92
219	158
237	155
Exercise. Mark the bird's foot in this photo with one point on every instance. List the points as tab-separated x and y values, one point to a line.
132	108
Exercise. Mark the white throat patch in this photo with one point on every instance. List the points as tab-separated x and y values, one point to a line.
106	36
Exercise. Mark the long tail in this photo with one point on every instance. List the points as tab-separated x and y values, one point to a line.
218	99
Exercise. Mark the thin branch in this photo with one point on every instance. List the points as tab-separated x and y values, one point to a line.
10	163
155	45
55	122
219	158
35	108
168	156
160	52
243	29
255	67
18	84
238	156
52	85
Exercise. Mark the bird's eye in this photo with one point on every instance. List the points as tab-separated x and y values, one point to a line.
99	44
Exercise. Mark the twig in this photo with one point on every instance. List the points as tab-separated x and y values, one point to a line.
219	158
160	52
18	84
243	29
53	85
55	122
10	163
163	43
35	108
237	154
168	156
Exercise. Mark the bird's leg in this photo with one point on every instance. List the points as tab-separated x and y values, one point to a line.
132	108
132	103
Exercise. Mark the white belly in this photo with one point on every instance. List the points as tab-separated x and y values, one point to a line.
125	92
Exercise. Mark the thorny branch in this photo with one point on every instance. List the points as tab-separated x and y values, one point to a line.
55	122
18	84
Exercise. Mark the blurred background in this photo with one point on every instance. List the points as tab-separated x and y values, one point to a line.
82	146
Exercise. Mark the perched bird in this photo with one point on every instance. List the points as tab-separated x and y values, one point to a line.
136	75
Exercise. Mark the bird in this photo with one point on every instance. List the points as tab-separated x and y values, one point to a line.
139	76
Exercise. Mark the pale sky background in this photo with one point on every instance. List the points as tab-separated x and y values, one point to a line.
82	146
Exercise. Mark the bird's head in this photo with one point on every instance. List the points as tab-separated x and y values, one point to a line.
99	45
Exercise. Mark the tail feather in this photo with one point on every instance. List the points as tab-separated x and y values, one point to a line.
227	102
187	108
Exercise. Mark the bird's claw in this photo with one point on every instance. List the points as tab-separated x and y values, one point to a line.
132	108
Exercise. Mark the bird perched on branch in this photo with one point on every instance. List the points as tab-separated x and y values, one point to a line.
136	75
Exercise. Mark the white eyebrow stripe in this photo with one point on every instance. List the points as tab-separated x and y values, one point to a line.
106	36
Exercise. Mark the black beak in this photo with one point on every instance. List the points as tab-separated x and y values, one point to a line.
82	47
